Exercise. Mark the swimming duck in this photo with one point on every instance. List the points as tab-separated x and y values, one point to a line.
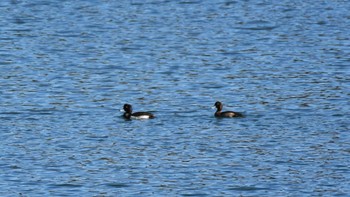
137	115
226	114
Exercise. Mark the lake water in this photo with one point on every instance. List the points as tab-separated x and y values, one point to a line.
67	68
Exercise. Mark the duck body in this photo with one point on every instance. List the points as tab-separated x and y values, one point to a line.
226	114
137	115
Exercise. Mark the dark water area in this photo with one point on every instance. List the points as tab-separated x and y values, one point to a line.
67	68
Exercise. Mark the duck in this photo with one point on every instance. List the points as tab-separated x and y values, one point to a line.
226	114
137	115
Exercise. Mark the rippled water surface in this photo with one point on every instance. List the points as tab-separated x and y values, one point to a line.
67	67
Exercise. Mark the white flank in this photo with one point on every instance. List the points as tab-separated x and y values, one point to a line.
140	117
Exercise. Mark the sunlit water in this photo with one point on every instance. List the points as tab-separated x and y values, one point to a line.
67	68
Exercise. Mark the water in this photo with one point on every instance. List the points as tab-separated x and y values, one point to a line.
67	68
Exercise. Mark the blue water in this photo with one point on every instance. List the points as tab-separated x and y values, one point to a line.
67	68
